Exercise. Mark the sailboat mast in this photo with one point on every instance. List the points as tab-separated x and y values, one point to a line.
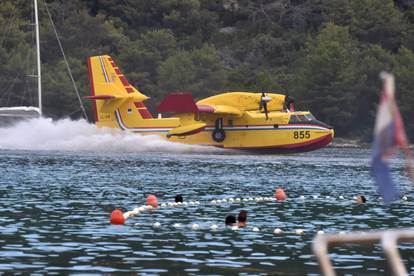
39	73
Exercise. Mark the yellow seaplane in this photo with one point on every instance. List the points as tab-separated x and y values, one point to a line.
262	122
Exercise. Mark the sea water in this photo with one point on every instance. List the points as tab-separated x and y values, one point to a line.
59	182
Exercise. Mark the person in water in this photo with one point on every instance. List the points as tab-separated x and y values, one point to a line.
361	199
230	220
242	218
179	198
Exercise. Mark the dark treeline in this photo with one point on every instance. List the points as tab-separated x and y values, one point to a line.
327	54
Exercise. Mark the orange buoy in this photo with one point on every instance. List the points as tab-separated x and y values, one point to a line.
117	217
152	201
280	194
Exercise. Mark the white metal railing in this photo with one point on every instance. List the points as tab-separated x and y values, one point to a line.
387	238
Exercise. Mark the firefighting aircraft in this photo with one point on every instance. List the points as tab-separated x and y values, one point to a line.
263	122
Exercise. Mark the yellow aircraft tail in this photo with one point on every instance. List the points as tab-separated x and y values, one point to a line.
112	93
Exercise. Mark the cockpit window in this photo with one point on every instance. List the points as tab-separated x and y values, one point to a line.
310	117
301	118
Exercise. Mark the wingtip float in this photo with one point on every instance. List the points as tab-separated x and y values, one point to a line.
260	122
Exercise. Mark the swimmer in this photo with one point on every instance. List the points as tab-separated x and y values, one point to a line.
230	220
242	218
179	198
361	199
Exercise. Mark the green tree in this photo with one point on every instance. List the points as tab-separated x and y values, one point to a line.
404	88
199	71
378	22
327	77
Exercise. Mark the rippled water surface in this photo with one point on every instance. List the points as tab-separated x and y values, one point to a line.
55	207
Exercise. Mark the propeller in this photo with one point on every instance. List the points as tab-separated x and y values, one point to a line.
263	104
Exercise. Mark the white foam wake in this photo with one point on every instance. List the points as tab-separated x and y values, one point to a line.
68	135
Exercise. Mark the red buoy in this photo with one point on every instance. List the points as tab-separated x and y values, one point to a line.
280	194
152	201
117	217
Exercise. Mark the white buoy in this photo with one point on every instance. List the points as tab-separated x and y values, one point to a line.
191	202
245	199
277	231
234	227
126	214
177	225
179	203
404	198
135	212
174	204
170	204
231	199
250	199
255	229
315	197
328	197
213	227
163	205
342	232
194	226
302	197
197	202
213	201
185	203
237	199
157	225
299	231
341	197
321	232
219	201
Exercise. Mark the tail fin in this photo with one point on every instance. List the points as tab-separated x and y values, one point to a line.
111	92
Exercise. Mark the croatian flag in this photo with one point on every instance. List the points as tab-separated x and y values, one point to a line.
389	134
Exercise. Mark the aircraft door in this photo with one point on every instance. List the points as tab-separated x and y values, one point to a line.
218	133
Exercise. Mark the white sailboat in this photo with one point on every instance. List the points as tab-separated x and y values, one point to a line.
9	115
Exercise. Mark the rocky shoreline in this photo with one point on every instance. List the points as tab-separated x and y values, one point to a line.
352	143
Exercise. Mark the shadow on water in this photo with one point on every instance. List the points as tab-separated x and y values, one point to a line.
55	206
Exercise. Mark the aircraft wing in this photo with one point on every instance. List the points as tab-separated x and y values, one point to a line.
184	103
225	110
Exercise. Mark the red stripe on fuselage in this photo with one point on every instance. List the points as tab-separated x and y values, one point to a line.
95	111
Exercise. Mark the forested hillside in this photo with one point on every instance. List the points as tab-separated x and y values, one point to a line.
327	54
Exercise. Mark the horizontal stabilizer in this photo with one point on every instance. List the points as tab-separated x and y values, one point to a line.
187	130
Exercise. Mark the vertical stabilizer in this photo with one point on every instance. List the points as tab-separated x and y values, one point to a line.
114	97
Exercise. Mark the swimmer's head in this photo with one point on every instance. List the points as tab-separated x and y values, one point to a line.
178	198
361	199
242	217
230	220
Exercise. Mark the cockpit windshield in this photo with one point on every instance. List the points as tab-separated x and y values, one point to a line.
301	118
306	118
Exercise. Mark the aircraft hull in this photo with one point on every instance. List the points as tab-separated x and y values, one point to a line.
265	139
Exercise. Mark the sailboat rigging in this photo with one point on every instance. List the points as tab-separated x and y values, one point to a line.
12	114
15	113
